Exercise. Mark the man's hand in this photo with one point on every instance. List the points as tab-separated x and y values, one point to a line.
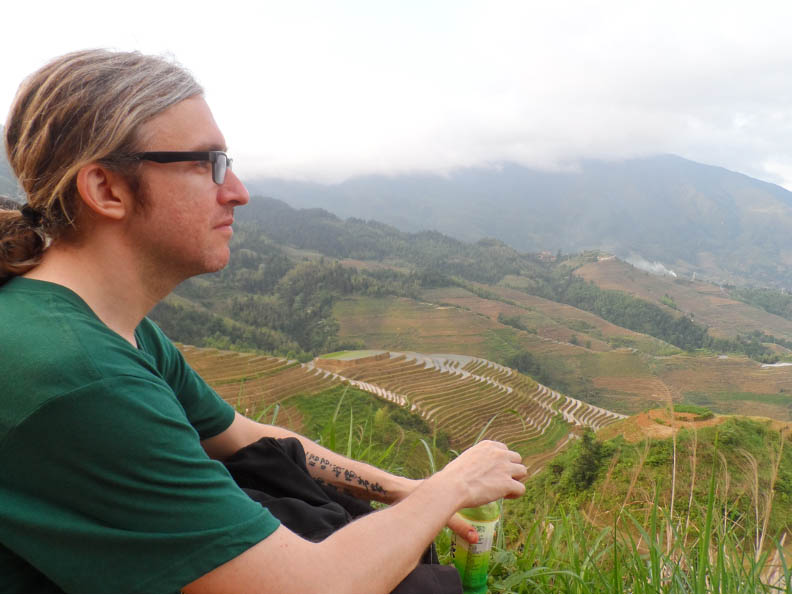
486	472
487	465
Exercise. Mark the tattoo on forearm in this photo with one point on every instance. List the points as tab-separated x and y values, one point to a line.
362	484
315	461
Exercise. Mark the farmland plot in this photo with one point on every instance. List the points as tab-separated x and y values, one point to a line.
710	304
462	395
253	383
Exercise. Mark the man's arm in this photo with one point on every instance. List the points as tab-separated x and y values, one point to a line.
377	551
360	479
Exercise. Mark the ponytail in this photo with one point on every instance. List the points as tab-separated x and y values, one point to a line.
22	241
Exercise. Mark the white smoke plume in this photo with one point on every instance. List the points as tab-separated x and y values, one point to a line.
651	267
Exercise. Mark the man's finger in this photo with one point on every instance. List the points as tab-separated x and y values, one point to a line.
463	528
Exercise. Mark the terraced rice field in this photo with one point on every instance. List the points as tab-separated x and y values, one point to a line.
252	383
462	395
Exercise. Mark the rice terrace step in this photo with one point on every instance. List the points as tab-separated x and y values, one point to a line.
463	395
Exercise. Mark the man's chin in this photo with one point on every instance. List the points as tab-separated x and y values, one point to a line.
220	264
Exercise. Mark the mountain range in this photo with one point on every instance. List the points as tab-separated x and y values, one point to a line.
661	213
691	218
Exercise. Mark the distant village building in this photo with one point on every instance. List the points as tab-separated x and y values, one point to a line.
546	256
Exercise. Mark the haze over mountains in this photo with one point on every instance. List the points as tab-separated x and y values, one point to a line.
664	213
689	217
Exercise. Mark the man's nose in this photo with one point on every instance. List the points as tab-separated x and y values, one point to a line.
233	190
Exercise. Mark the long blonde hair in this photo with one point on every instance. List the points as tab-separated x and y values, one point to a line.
80	108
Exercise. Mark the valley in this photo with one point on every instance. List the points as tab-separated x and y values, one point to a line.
650	410
638	373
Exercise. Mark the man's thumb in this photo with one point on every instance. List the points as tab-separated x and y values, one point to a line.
464	529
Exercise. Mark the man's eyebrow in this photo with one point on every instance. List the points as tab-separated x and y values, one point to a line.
210	147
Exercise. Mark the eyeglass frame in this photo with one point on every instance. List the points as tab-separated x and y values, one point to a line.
219	165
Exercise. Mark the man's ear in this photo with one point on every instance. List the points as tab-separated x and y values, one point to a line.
103	191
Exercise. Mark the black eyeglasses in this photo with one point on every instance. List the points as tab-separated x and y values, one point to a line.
219	160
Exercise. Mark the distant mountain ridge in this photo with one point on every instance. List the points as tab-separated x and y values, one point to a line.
691	217
8	183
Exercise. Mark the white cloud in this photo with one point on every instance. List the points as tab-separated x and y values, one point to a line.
332	89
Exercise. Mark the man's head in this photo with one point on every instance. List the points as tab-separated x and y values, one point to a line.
81	108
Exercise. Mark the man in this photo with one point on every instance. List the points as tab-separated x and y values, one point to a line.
110	444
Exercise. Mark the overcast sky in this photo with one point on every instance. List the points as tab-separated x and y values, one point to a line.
327	90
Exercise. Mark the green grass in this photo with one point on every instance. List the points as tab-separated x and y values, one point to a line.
364	427
618	531
502	343
622	533
684	408
553	434
737	402
702	413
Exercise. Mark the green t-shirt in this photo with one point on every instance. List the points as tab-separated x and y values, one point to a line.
104	486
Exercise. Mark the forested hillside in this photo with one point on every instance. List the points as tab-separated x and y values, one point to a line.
692	217
273	298
304	283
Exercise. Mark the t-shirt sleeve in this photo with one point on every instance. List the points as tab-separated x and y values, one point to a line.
208	413
107	489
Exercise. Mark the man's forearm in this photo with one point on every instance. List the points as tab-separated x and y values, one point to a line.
375	552
359	479
354	477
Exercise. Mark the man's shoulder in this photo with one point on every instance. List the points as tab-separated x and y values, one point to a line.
59	347
51	327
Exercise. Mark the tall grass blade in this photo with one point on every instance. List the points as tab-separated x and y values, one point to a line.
783	562
770	497
261	414
332	422
487	425
652	543
705	535
430	456
348	454
384	456
616	582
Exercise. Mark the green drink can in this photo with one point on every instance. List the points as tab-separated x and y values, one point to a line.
472	559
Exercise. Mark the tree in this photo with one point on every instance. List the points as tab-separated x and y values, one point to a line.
586	464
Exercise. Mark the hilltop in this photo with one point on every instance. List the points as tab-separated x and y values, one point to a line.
661	424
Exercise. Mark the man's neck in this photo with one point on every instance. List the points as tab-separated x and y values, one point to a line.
107	279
